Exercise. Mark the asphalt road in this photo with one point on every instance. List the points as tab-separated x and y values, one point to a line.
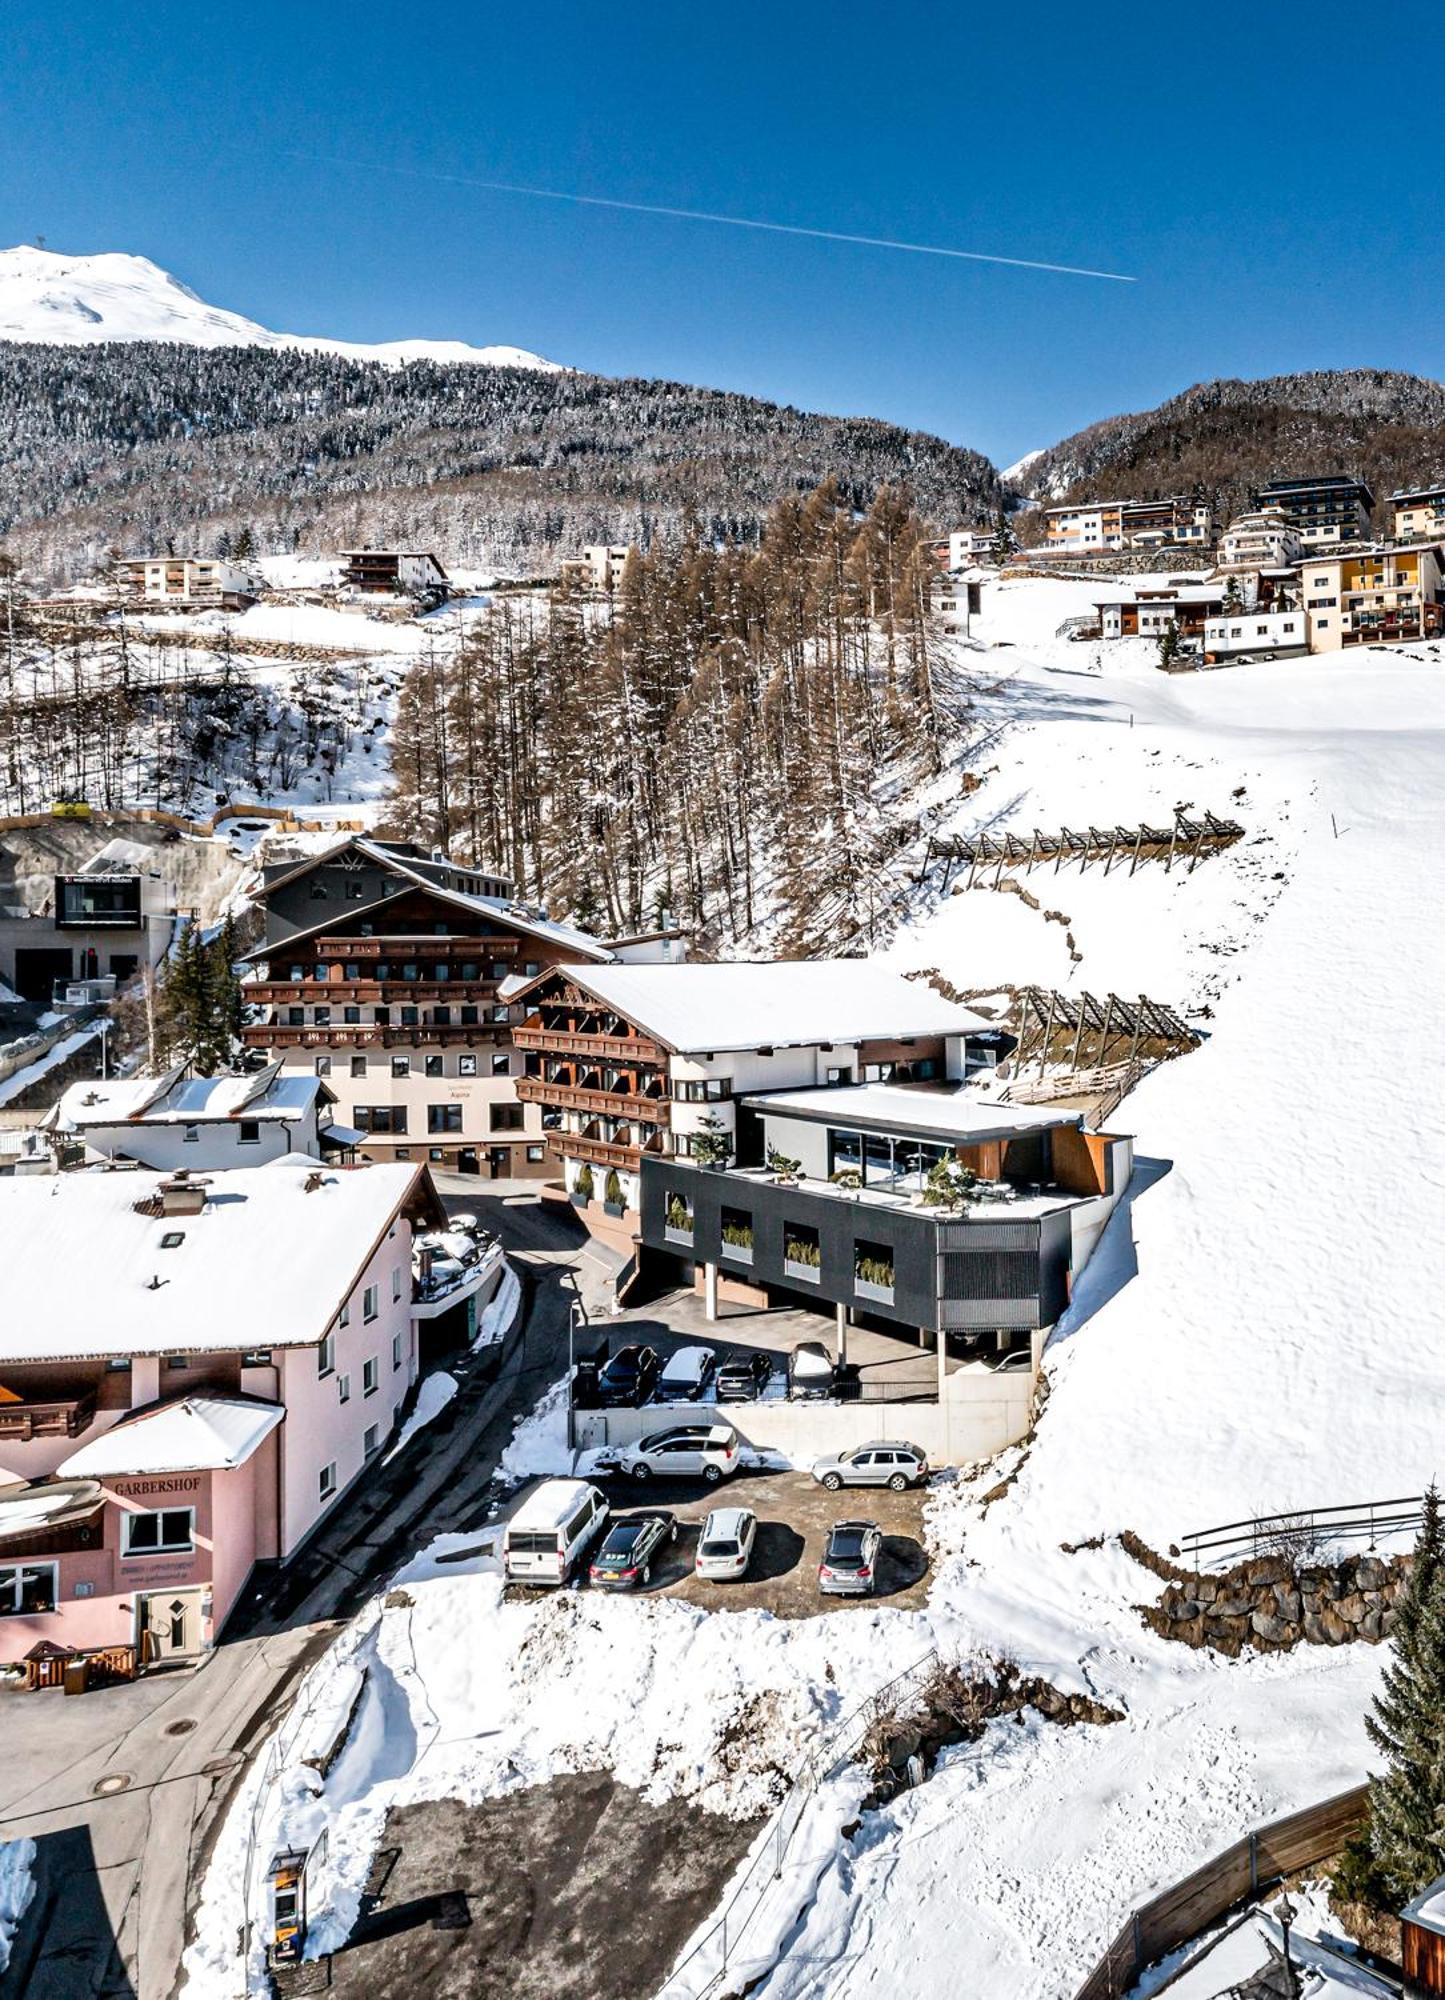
123	1790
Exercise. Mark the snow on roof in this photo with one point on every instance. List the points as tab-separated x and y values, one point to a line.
270	1094
953	1114
266	1264
196	1434
774	1003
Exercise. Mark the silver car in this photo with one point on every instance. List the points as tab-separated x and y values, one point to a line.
887	1462
725	1546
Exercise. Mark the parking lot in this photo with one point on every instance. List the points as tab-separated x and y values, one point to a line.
794	1516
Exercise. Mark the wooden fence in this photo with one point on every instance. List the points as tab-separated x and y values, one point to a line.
281	817
1188	839
1179	1914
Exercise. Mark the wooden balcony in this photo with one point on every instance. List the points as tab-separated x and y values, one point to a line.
597	1152
608	1103
20	1422
371	993
408	944
268	1035
601	1048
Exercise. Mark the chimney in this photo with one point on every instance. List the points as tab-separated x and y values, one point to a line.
181	1195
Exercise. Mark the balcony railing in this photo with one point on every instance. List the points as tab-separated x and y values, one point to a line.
603	1048
607	1103
418	944
598	1152
20	1422
370	992
268	1035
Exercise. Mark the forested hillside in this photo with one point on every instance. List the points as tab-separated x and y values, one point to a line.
740	743
142	445
1228	436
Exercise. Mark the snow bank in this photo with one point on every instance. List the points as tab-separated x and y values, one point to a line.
432	1398
17	1886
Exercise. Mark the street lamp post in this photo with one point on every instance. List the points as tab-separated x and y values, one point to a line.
1286	1913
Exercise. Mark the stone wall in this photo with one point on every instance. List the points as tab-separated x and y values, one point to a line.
1271	1603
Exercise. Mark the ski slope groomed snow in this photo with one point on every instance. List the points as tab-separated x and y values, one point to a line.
1258	1331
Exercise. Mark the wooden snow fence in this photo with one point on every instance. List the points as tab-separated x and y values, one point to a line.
1262	1857
1188	840
283	818
1081	1031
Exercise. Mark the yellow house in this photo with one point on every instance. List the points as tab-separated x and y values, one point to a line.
1379	596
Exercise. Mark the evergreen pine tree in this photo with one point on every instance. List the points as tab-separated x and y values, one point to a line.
1408	1725
1003	539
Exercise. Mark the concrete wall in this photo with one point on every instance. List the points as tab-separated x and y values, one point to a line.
983	1412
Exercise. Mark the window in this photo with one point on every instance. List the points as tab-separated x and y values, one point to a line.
703	1090
321	1016
358	1065
177	1361
165	1532
323	1065
326	1350
118	1364
802	1251
469	1016
318	890
343	1388
371	1440
355	891
466	1065
536	1154
343	1318
502	1013
395	1282
370	1377
173	1239
435	1066
370	1302
401	1065
403	1152
395	1352
249	1132
501	1064
351	1016
259	1357
27	1587
326	1482
505	1117
411	1017
435	1153
531	968
444	1118
379	1118
191	1135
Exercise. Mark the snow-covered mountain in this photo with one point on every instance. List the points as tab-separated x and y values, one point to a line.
77	301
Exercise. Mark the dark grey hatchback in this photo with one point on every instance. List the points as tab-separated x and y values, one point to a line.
624	1561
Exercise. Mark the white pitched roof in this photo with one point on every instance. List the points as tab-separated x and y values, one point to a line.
269	1094
775	1003
945	1114
196	1434
266	1264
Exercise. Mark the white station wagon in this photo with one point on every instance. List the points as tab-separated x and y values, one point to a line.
686	1451
725	1546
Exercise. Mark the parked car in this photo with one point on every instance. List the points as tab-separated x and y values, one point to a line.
687	1451
551	1531
810	1371
743	1377
624	1561
628	1379
725	1546
886	1463
686	1375
850	1559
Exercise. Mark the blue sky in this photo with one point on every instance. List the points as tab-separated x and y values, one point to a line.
1266	174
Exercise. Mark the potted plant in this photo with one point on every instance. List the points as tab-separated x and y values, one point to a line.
784	1171
849	1179
677	1218
712	1144
802	1255
612	1201
582	1186
873	1276
737	1238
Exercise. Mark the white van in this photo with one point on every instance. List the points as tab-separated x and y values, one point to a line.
551	1532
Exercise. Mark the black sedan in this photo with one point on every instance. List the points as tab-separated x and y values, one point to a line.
624	1561
743	1377
628	1379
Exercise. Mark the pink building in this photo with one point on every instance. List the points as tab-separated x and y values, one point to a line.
192	1372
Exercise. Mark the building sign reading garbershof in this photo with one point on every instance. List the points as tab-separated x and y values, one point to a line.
145	1489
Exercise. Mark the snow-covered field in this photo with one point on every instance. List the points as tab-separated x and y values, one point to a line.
1258	1331
17	1886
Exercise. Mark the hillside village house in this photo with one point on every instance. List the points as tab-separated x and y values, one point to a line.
599	567
201	1123
185	583
389	973
633	1061
1255	635
1266	539
395	573
1325	512
254	1349
108	921
954	600
1099	526
1148	612
1377	595
1419	515
964	547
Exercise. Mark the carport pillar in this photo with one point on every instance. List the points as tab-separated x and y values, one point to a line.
842	1312
709	1290
941	1341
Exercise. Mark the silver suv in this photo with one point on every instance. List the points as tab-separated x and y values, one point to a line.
888	1462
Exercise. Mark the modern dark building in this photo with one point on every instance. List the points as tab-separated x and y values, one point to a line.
1324	512
846	1227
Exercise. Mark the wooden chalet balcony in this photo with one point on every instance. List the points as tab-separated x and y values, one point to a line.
597	1152
602	1048
407	944
268	1035
372	993
20	1422
608	1103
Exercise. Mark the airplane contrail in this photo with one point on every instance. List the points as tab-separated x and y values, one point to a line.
732	221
